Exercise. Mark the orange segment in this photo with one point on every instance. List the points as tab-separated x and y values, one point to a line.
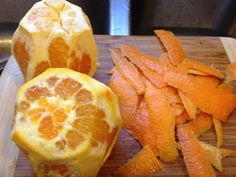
35	92
87	110
189	106
127	70
46	128
58	53
59	116
153	76
172	45
163	122
60	169
231	71
52	81
201	124
143	164
74	138
100	129
83	125
195	158
43	102
21	55
192	65
219	132
41	67
23	106
141	128
75	64
85	64
127	95
83	96
203	95
67	87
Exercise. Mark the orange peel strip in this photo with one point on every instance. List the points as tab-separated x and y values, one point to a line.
136	58
143	164
201	124
189	106
182	118
215	154
207	98
142	129
127	95
127	70
172	45
195	158
219	132
163	122
199	68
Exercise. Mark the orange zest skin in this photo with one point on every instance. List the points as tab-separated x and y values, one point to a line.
153	76
215	154
182	118
195	158
191	65
163	123
142	129
172	45
189	106
143	164
127	70
219	132
203	95
127	95
201	124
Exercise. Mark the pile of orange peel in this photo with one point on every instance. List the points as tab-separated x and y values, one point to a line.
167	104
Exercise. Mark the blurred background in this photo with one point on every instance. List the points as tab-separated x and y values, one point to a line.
135	17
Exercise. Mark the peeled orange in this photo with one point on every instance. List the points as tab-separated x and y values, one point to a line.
54	33
66	122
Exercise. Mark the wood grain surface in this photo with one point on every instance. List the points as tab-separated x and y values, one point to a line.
209	50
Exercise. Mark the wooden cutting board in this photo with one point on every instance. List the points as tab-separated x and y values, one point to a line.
209	50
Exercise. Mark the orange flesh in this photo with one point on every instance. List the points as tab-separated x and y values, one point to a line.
67	87
195	65
143	164
195	158
41	67
201	124
163	122
85	64
74	138
75	64
21	55
35	92
227	88
58	53
83	96
153	76
59	168
127	70
172	45
46	128
203	95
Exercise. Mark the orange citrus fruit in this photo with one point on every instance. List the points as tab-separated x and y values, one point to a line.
67	123
54	34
